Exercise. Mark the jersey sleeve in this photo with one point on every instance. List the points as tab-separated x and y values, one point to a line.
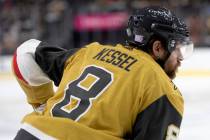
36	65
161	116
51	59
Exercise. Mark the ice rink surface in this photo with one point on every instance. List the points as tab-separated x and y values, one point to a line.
194	85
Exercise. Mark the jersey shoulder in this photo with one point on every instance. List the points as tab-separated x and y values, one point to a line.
157	84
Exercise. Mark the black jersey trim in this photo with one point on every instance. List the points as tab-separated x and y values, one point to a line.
52	60
153	122
24	135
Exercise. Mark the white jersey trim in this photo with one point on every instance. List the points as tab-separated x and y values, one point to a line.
27	65
36	132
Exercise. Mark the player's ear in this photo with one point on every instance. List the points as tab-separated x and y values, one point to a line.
157	50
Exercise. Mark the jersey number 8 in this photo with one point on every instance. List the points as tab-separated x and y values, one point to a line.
82	96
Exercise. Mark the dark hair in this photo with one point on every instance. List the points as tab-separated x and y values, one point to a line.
149	45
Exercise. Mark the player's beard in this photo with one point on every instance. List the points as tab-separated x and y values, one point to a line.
161	62
171	73
169	70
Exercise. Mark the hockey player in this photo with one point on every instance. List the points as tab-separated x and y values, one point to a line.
107	92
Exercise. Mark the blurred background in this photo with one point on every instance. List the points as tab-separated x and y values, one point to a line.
74	23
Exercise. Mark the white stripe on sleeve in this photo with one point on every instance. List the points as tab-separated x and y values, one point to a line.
36	132
27	65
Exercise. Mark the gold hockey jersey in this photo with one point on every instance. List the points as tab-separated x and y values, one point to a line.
104	93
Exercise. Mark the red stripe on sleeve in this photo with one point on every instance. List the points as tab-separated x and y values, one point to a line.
16	68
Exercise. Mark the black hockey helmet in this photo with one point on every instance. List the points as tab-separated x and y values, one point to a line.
162	23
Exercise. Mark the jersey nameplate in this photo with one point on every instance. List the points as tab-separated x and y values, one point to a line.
116	58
